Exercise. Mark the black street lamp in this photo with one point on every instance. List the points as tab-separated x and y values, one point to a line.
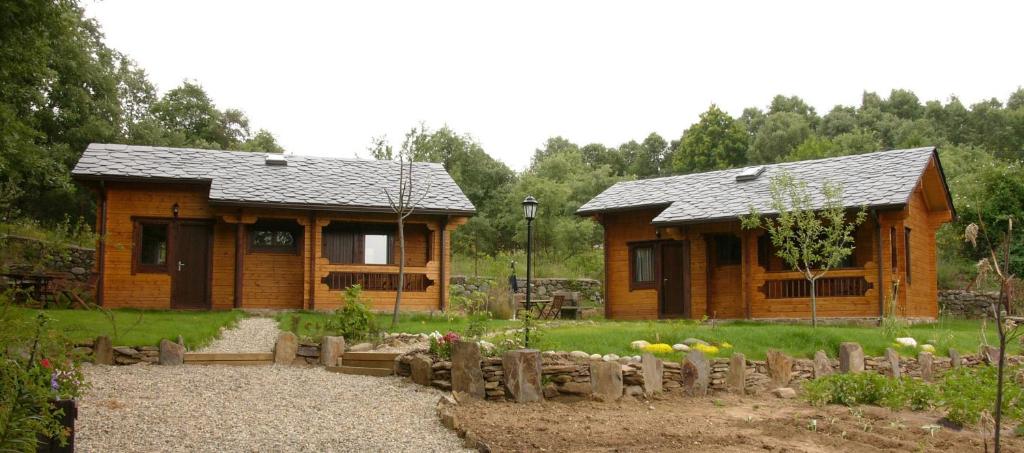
530	212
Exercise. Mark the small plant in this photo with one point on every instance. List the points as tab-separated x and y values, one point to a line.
353	320
441	345
892	325
659	348
970	394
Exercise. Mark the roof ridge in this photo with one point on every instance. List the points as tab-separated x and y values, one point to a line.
150	148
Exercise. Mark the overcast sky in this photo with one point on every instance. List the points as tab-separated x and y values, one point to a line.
326	77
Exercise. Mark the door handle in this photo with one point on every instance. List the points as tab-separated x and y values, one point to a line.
180	265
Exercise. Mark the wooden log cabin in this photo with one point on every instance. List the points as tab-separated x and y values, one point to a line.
203	229
674	247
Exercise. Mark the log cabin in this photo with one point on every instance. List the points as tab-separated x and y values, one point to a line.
203	229
674	247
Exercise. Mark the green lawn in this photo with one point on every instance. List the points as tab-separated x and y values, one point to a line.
754	339
139	327
408	322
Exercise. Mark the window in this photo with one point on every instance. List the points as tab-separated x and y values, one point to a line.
359	244
151	240
727	250
892	247
906	252
273	236
641	263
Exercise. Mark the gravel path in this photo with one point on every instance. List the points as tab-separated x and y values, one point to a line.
250	335
261	408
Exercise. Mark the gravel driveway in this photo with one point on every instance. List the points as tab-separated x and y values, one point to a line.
260	408
250	335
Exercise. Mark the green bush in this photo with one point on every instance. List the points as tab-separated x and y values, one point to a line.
354	321
970	393
871	388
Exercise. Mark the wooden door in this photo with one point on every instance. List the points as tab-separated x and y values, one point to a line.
190	268
674	272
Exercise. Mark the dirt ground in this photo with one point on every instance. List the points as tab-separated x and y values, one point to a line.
724	423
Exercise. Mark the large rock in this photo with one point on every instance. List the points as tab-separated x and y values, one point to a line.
784	393
331	348
851	358
467	377
925	361
736	380
990	354
422	370
780	368
696	373
606	380
954	358
285	349
102	351
653	371
822	365
522	368
892	360
575	388
171	353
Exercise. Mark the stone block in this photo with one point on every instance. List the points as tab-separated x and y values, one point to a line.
285	348
467	376
522	369
784	393
330	349
851	358
696	373
990	354
822	365
954	358
892	363
653	371
171	353
606	380
422	370
780	368
925	361
736	379
103	351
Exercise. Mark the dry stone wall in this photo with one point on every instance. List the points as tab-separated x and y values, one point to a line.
966	304
589	289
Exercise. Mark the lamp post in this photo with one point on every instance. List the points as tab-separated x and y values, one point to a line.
530	212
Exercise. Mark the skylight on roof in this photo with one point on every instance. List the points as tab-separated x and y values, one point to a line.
275	159
750	173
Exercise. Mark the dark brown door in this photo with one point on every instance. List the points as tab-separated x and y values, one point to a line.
675	279
190	270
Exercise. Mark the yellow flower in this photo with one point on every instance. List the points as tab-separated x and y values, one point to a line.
706	348
658	348
726	345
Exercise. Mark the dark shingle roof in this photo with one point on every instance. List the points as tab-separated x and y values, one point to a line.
242	178
885	178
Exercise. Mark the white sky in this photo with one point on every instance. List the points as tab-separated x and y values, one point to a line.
326	77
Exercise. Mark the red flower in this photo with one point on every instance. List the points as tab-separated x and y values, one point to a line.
45	363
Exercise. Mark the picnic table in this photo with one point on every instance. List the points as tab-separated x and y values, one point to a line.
35	285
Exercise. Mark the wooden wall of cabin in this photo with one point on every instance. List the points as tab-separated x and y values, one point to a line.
621	229
122	287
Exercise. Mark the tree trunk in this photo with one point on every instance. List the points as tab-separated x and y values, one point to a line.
814	303
401	270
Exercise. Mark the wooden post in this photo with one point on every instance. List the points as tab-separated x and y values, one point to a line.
312	259
745	270
239	259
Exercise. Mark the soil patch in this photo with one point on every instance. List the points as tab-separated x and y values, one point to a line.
721	423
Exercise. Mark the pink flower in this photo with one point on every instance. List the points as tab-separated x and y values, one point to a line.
45	363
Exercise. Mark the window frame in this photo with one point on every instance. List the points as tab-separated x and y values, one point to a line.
718	250
288	225
633	283
907	234
359	231
138	267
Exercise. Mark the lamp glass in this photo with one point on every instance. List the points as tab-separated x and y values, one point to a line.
530	208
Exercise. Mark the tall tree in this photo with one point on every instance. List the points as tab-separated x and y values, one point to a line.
717	141
404	200
781	133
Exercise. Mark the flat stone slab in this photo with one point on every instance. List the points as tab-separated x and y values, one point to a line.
851	358
822	365
171	353
330	349
653	371
103	351
285	349
522	368
736	380
606	380
892	360
780	368
467	377
696	373
422	370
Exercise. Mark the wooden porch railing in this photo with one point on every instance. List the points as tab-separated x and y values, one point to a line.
825	287
376	281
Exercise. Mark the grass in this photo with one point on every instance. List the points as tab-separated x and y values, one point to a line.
407	323
754	339
139	327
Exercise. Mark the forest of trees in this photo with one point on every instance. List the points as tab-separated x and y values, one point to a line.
61	88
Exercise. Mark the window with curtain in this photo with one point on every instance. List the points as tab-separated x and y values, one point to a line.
642	266
359	244
151	246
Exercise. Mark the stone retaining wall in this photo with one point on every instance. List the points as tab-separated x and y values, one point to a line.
565	375
32	255
590	290
967	304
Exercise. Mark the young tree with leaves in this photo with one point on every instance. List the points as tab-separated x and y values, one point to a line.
811	239
404	200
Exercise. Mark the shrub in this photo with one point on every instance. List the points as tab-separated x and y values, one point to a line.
970	393
846	389
353	321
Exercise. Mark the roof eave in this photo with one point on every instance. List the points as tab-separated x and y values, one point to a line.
336	208
666	223
590	212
